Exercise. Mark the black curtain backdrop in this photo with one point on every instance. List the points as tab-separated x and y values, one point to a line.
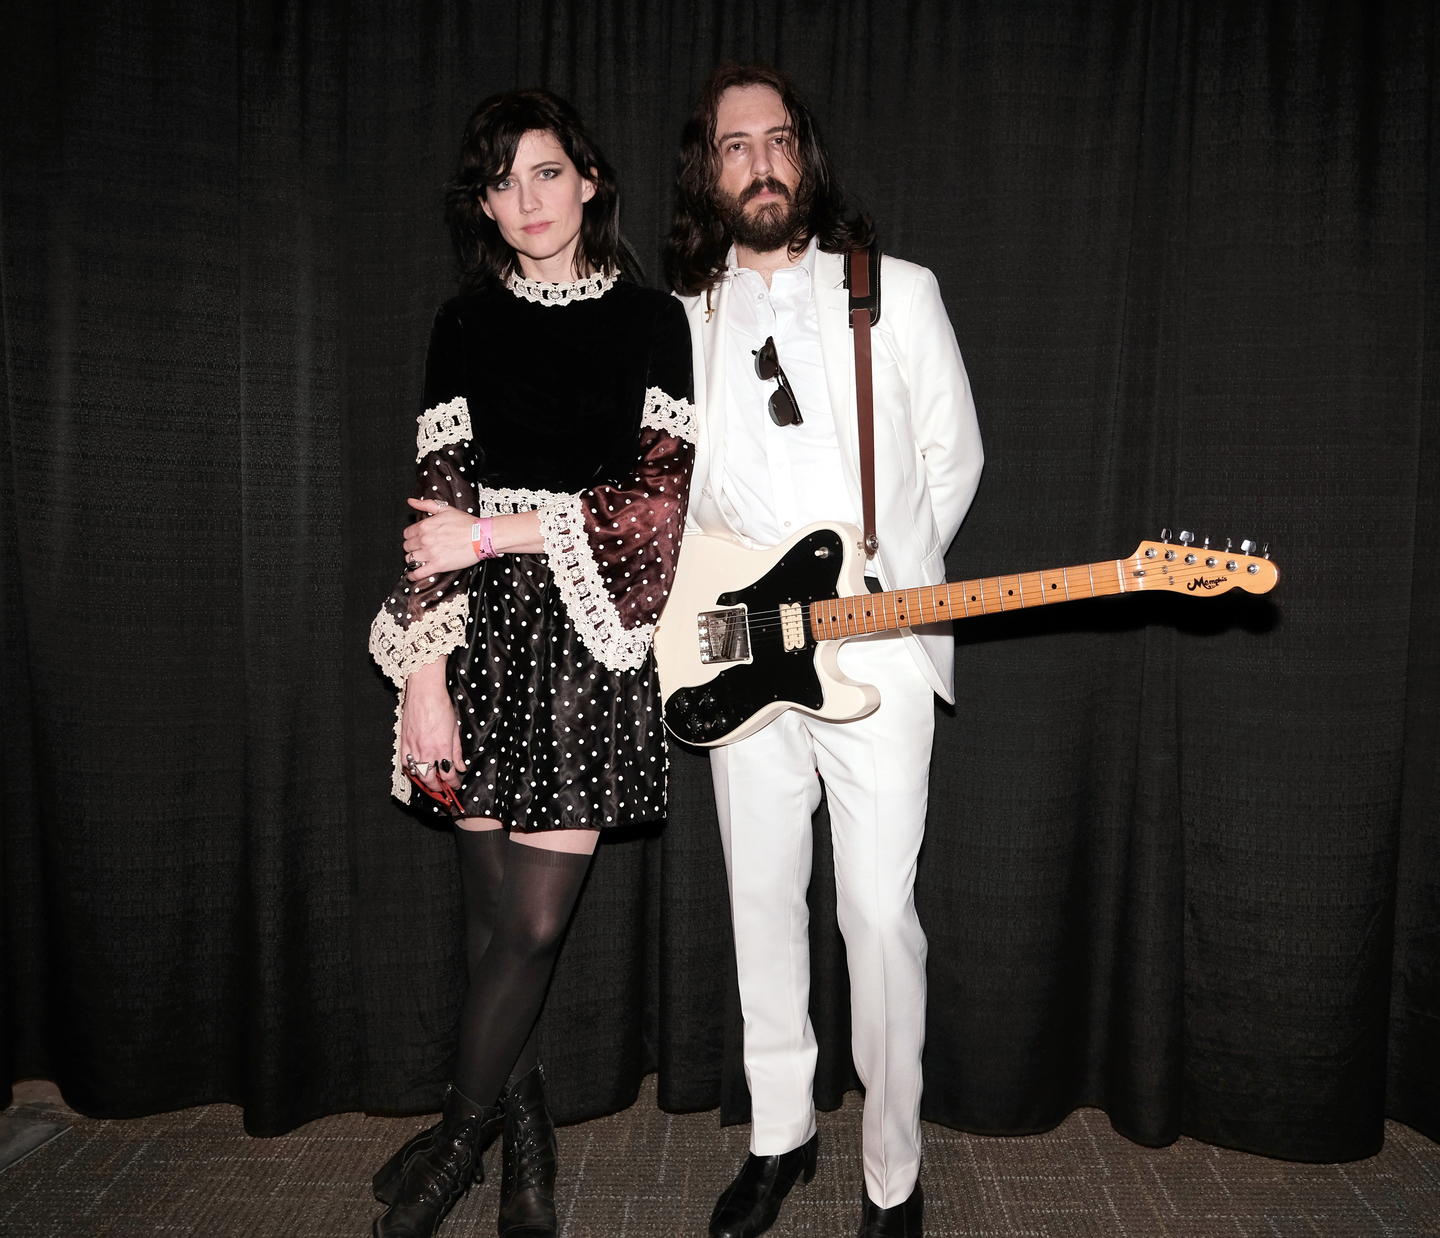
1183	860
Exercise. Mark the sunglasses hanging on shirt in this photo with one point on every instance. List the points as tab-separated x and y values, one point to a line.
784	407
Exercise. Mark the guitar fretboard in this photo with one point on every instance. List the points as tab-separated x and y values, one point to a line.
904	608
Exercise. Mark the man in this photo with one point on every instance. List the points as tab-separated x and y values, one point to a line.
757	254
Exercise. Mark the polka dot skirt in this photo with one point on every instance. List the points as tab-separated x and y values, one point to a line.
552	739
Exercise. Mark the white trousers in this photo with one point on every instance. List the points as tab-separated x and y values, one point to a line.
876	774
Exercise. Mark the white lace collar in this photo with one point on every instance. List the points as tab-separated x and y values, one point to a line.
541	293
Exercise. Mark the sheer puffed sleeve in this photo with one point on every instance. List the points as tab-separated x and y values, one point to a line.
425	619
614	547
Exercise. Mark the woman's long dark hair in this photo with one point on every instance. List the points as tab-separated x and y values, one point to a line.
487	154
699	239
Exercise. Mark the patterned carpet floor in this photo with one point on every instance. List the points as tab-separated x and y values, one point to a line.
647	1174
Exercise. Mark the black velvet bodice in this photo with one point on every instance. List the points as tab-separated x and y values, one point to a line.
555	392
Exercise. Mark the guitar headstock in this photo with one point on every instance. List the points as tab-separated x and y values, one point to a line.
1201	571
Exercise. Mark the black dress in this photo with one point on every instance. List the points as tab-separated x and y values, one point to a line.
573	400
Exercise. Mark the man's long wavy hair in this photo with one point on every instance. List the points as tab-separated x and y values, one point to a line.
487	153
699	240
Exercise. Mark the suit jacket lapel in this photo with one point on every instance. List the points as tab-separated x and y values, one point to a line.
713	335
832	306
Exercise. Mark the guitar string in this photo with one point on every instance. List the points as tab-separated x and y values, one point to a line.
764	620
768	620
980	584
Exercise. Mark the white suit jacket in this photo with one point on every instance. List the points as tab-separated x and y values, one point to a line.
927	441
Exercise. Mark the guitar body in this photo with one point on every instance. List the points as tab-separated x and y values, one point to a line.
734	647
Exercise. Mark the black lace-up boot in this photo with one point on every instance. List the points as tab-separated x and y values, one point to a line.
527	1180
439	1168
387	1177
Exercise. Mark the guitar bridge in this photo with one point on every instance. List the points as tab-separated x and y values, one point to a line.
724	635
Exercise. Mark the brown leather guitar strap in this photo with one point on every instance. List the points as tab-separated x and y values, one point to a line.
862	276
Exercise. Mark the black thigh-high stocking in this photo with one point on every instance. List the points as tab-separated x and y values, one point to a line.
482	869
508	985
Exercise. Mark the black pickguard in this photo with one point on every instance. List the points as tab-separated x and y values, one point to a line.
703	714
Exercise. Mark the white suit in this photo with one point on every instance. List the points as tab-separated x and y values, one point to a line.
875	770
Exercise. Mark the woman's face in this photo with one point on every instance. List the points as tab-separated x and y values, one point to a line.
539	207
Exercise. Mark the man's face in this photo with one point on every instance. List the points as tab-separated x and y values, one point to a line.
759	179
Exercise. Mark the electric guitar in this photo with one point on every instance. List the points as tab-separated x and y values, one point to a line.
747	634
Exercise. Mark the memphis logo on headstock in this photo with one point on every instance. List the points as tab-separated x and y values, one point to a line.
1200	569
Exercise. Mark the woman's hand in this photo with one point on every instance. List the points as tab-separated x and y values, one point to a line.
429	730
441	543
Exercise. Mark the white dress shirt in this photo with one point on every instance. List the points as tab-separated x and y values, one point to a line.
777	479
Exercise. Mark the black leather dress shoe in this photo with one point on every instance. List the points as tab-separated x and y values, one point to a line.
901	1221
750	1204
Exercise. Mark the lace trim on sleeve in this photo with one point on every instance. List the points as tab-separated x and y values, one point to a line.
444	424
664	412
400	784
506	502
400	651
582	589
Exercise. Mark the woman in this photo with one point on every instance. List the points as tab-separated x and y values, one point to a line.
554	455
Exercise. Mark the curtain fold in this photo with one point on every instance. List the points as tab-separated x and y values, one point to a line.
1182	860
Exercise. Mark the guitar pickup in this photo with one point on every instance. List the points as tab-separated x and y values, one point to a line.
792	626
724	635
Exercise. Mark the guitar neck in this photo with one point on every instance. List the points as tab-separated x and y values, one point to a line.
833	618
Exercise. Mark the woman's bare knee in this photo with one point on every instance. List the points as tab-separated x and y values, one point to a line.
576	842
478	823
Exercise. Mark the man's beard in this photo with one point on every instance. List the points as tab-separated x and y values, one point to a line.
770	228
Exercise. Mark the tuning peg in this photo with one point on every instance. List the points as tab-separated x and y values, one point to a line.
1247	547
1165	536
1207	543
1266	551
1228	544
1186	537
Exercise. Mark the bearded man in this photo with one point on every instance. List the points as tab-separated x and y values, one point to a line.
757	256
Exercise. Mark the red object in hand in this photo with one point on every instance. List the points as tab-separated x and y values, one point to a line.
447	795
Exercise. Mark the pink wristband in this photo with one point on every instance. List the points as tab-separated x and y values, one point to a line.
480	539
